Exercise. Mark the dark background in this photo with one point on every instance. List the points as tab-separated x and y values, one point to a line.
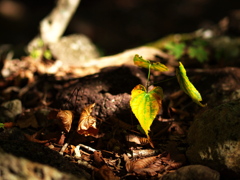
114	25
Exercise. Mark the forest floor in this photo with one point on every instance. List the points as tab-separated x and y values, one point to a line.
59	123
88	120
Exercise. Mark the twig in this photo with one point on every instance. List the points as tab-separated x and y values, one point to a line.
77	151
63	148
87	147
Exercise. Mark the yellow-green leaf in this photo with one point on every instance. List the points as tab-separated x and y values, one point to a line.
146	105
187	86
157	66
1	125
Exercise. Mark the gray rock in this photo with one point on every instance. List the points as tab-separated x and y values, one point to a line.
9	110
214	139
15	106
74	50
15	168
196	172
20	159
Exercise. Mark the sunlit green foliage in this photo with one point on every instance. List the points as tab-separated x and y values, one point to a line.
157	66
195	49
146	104
187	86
176	49
198	52
1	125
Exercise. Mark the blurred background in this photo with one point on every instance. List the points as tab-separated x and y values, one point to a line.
114	25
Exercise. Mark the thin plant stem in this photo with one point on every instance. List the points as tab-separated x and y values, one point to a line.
147	85
165	80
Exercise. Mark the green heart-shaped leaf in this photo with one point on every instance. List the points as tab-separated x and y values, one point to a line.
146	105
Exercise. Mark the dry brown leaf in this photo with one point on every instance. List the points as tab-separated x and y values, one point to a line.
143	163
146	171
87	123
56	137
128	164
70	150
32	138
26	120
65	118
103	172
9	124
139	140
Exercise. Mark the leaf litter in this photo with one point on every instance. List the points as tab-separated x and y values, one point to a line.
112	148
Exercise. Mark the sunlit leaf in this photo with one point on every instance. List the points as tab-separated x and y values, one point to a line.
47	54
176	49
187	86
7	125
65	118
157	66
87	123
1	125
198	52
36	53
146	105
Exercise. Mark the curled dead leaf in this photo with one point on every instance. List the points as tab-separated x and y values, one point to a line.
87	123
65	118
139	140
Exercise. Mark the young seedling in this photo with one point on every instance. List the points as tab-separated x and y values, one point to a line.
146	104
2	125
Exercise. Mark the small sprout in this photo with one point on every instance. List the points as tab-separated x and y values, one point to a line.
187	86
36	53
146	104
47	54
2	125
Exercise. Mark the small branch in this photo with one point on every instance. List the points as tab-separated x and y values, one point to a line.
53	26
